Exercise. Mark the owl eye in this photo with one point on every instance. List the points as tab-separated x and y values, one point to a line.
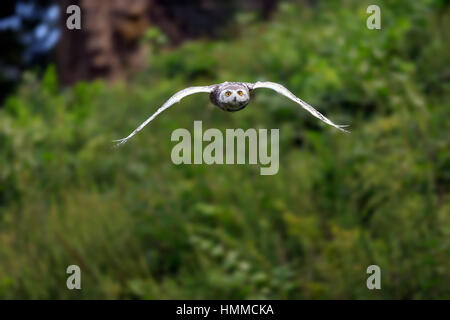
240	93
228	93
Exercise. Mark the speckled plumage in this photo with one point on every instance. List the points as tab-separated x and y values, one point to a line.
232	96
238	99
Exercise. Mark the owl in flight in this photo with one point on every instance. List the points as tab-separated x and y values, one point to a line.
231	96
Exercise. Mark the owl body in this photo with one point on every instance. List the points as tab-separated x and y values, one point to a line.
230	96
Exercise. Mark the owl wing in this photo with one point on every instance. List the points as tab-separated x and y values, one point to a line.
285	92
174	99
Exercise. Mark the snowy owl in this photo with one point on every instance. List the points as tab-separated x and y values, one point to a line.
232	96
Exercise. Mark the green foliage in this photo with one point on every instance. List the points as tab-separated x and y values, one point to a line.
141	227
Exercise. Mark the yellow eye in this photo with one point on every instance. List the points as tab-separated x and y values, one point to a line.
240	93
228	93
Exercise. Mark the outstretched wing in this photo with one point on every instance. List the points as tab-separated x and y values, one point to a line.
285	92
174	99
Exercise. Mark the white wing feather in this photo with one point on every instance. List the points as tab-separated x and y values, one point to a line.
285	92
174	99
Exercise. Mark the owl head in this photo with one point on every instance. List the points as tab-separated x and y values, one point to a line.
232	96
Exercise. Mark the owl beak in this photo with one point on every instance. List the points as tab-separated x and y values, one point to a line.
234	100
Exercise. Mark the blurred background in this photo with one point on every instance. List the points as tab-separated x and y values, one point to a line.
141	227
